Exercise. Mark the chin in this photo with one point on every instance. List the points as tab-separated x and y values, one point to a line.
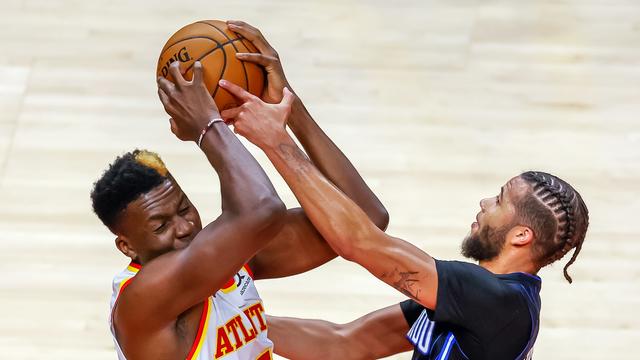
179	245
465	246
483	244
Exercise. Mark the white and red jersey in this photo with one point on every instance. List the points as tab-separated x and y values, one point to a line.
232	325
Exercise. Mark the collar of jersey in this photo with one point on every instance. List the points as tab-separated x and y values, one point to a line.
134	266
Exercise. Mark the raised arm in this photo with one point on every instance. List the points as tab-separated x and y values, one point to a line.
251	214
340	221
373	336
299	242
324	153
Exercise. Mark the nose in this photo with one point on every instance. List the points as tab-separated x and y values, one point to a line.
184	227
483	203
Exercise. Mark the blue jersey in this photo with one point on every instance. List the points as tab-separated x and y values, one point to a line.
479	315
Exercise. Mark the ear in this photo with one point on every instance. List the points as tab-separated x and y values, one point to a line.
521	236
123	245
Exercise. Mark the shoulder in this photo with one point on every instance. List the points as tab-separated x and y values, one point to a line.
465	288
470	275
460	274
463	267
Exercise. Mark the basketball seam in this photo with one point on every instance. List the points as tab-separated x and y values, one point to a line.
188	38
218	46
246	76
224	68
211	51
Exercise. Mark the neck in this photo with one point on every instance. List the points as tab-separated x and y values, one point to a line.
509	262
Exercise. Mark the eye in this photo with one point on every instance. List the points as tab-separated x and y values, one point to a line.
498	200
184	210
160	228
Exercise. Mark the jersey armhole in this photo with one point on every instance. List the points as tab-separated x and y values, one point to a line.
202	327
123	285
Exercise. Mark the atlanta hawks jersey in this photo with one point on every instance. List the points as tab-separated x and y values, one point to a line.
232	325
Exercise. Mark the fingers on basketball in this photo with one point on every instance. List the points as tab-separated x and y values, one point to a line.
261	59
237	91
165	86
198	73
210	42
254	35
174	70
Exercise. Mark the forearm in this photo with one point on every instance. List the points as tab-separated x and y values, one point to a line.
338	219
304	339
332	162
244	184
376	335
348	230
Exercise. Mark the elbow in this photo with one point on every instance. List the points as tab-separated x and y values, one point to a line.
270	214
352	245
342	242
376	212
380	217
347	250
274	207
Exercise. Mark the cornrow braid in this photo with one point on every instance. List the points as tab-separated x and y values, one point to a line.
571	215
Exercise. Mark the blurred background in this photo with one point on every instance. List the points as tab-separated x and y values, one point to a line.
437	103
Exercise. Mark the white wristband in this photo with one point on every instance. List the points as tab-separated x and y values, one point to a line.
206	128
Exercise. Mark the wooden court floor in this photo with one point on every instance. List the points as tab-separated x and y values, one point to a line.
438	103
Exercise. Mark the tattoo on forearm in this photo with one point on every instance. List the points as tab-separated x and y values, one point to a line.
405	283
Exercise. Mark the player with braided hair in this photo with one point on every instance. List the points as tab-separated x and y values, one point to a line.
457	310
571	215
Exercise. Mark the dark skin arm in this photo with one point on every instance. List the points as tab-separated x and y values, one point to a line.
373	336
341	222
299	242
172	283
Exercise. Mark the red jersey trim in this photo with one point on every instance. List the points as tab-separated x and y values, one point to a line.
203	320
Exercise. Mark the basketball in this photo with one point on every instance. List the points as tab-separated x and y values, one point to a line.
215	46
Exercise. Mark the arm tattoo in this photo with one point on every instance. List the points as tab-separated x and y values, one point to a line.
405	283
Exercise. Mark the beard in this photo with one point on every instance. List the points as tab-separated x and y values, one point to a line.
485	244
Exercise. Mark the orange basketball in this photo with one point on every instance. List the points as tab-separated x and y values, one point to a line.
215	46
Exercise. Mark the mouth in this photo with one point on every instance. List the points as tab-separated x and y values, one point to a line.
183	243
476	224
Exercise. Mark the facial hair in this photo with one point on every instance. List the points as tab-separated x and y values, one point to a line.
485	244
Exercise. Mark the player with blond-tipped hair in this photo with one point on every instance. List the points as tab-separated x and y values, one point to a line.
189	290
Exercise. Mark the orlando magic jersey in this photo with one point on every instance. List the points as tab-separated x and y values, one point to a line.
479	315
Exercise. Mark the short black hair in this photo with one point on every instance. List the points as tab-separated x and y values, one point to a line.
129	176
